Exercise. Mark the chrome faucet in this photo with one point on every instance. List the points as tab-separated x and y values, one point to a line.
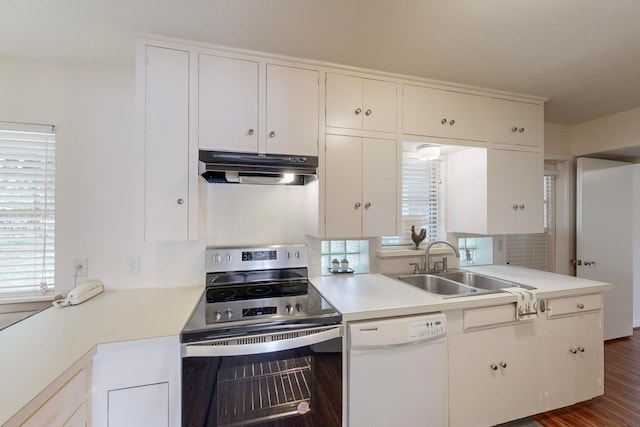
444	259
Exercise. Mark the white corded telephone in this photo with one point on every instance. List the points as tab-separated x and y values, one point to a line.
81	293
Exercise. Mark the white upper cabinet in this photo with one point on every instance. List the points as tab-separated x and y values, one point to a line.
292	111
441	113
236	96
516	123
169	195
227	104
496	192
361	180
361	103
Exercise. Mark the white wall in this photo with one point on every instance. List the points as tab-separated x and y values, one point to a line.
92	108
607	133
636	246
557	139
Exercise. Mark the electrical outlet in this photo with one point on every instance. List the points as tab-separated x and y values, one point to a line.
80	267
133	264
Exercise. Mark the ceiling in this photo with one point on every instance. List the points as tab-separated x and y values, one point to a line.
583	55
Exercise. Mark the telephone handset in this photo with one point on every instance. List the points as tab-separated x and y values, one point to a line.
81	293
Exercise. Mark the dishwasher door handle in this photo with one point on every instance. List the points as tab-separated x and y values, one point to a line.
429	340
268	343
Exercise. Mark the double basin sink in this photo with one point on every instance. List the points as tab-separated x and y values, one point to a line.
458	283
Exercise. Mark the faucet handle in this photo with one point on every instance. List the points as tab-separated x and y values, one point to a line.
416	267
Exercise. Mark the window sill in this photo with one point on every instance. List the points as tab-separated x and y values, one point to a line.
391	252
26	298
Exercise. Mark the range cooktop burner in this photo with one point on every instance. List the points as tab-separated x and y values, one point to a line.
223	294
258	291
244	292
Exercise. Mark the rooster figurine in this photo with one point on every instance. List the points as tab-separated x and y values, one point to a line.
417	238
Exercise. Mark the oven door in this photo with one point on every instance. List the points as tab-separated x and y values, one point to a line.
283	378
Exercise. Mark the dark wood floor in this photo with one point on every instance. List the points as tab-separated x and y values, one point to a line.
620	404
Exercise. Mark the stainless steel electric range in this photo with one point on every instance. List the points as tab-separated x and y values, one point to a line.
254	350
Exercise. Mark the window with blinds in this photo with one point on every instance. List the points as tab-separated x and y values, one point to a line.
421	195
27	209
537	251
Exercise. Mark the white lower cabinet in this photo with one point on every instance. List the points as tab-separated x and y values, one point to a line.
574	355
137	383
495	375
501	369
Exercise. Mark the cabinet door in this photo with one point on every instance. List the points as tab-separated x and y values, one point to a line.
139	406
344	101
227	104
520	370
424	111
166	144
343	186
468	114
379	105
561	362
590	356
292	111
379	189
515	195
514	122
472	387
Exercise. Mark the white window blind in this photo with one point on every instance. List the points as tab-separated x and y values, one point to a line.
421	182
27	209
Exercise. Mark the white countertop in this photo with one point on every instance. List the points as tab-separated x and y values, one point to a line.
39	349
367	296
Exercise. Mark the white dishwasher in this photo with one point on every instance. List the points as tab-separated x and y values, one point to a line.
397	372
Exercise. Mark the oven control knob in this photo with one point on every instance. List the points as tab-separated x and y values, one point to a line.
298	307
218	315
217	259
228	314
289	309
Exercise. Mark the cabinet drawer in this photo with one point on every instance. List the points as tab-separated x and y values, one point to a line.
487	316
572	305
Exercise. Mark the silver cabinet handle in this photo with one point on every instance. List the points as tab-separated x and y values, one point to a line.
443	121
367	113
452	122
521	207
180	201
367	205
521	130
581	349
514	129
251	131
272	134
494	367
357	205
503	364
573	350
515	207
358	111
580	306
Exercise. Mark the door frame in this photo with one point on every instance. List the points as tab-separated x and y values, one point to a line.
565	212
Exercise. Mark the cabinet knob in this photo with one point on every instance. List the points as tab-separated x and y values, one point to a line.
367	113
580	306
251	132
581	349
573	350
452	122
521	207
514	129
367	205
494	367
272	134
515	207
503	364
357	205
180	201
443	121
358	111
521	130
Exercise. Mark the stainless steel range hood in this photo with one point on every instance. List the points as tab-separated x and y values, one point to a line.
253	168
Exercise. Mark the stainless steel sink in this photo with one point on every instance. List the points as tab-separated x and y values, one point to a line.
440	286
481	282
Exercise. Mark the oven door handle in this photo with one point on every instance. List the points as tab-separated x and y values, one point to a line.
226	348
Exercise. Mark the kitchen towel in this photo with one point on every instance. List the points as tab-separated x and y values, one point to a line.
526	303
